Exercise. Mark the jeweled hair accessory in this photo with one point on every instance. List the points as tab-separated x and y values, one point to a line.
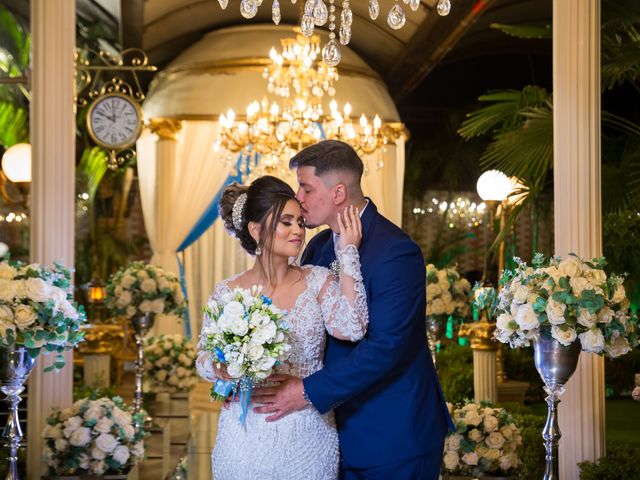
236	212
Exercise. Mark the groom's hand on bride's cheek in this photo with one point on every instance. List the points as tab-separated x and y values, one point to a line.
280	400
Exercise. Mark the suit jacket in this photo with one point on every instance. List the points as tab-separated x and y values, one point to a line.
388	402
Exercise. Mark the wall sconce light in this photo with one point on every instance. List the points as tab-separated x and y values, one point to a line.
16	168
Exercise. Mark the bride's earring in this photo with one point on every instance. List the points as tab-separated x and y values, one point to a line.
258	251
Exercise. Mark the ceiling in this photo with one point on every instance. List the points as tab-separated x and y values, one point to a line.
403	58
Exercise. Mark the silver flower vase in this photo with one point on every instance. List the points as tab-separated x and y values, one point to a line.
434	330
555	364
15	366
141	326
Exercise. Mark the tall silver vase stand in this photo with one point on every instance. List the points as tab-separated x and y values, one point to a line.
434	330
15	366
141	326
555	364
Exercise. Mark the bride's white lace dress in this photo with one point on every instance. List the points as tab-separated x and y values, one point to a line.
304	444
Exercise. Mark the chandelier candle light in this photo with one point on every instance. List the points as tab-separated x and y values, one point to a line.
316	14
277	130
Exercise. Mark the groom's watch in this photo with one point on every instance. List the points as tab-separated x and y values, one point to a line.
305	396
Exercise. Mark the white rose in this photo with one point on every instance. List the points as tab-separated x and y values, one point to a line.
266	363
597	277
475	435
507	431
449	307
555	312
83	461
127	281
453	441
98	454
124	299
618	345
526	318
129	431
164	283
437	307
69	310
586	319
565	337
98	467
504	323
161	375
148	285
52	432
178	296
106	442
578	284
442	277
492	454
121	454
264	334
494	440
142	274
605	315
7	272
6	321
157	305
184	360
592	341
172	380
239	326
451	460
490	423
104	425
619	294
233	309
8	290
471	417
61	444
570	267
131	311
66	413
37	289
146	306
235	370
255	351
470	458
121	417
94	412
74	423
80	437
521	294
505	462
433	291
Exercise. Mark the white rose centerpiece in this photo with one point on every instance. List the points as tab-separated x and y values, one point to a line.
37	310
246	333
170	364
485	442
569	300
93	437
447	293
142	288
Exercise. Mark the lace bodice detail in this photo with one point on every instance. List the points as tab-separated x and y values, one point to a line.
321	306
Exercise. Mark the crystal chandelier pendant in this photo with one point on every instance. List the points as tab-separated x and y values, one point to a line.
331	53
307	25
443	8
345	34
320	13
346	17
396	18
374	9
248	8
413	4
275	12
223	3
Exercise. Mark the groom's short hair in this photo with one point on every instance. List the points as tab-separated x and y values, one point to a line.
329	156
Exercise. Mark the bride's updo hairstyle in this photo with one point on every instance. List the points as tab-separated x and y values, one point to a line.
265	196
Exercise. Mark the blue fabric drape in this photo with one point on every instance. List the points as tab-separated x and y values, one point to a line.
209	216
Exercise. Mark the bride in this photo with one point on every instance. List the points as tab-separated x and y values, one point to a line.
267	220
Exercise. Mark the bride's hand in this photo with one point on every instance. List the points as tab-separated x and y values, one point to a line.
350	228
220	371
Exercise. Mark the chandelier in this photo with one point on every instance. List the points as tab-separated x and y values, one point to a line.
276	130
460	212
317	14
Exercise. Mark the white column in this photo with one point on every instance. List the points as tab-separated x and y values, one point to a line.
576	118
485	385
52	188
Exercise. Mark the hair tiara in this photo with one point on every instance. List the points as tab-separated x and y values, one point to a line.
236	212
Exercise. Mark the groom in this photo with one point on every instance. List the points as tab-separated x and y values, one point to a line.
390	412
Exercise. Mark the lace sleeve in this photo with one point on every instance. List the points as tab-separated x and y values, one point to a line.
204	363
343	299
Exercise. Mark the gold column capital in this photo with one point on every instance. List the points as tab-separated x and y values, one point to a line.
480	334
165	128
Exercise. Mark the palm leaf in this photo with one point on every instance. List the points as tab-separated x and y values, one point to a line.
14	124
91	170
541	30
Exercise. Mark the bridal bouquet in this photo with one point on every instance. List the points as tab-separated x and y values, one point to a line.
93	436
170	364
141	288
485	441
447	292
570	299
248	334
37	310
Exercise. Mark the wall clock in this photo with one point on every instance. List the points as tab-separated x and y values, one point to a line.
114	121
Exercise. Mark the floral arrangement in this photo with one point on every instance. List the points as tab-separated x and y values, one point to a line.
141	288
169	364
567	299
246	333
37	310
93	436
485	441
447	292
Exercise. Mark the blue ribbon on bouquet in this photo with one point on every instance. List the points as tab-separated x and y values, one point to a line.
243	388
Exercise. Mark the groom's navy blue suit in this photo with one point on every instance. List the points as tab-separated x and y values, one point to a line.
388	403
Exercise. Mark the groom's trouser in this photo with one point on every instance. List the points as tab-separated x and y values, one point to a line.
426	467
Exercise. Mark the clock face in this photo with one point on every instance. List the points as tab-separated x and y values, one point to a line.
114	121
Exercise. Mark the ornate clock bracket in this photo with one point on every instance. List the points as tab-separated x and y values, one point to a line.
101	73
